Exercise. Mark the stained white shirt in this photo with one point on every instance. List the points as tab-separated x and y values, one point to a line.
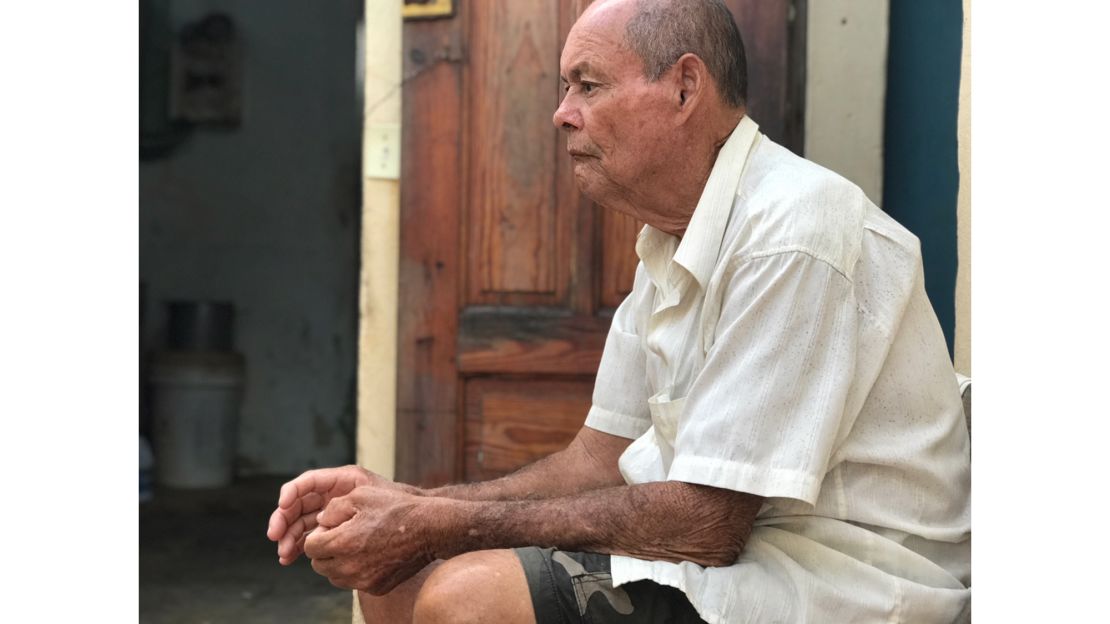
785	347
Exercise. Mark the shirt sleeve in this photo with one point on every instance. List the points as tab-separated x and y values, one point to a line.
763	414
620	391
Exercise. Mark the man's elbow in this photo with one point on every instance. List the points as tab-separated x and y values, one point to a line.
698	523
725	525
725	548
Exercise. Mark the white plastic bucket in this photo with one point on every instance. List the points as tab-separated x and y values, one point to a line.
196	398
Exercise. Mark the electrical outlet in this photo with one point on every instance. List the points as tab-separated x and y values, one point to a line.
381	154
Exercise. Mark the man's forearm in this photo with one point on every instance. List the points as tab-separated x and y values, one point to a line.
588	463
671	521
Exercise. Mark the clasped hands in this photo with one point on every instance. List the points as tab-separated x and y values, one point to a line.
360	530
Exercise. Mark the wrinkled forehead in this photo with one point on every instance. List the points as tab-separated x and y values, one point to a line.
596	42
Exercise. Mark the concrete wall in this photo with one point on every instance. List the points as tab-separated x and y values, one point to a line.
846	45
266	215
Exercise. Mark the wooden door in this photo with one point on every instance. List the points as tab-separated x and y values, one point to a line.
509	277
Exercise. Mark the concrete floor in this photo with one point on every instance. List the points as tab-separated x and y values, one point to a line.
204	559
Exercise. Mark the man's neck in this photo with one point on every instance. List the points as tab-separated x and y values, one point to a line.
669	196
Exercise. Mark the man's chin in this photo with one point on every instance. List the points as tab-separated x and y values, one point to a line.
593	193
589	182
590	192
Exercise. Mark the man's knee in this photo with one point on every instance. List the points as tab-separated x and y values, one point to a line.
487	585
396	606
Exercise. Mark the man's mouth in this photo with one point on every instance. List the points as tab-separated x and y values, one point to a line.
581	151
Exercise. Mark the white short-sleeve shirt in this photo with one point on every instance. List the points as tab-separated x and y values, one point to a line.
785	347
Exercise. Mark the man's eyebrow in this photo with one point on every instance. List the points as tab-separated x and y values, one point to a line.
576	71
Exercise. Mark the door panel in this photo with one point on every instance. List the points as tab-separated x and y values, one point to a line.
618	255
517	229
429	271
510	424
508	276
492	342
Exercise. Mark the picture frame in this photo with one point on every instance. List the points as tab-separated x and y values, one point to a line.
427	9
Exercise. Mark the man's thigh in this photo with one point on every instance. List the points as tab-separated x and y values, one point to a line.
577	587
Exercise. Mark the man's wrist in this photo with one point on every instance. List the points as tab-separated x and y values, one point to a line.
460	491
460	526
412	489
449	531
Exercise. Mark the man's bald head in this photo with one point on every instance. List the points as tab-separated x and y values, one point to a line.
653	89
661	31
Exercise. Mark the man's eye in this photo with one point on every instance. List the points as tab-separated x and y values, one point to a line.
587	87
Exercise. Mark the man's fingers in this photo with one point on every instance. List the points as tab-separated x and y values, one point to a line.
325	566
318	481
290	551
300	542
312	502
283	517
299	503
290	544
338	511
313	546
277	527
326	543
325	482
291	512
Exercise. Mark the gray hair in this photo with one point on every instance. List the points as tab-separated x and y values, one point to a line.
661	31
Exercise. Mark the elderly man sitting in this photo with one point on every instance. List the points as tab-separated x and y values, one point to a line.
776	433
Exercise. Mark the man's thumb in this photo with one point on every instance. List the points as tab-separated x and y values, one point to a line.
338	511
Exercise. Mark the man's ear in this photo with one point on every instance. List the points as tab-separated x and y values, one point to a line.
692	82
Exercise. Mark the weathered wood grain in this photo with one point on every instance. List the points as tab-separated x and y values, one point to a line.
516	230
427	396
618	256
492	342
768	28
515	421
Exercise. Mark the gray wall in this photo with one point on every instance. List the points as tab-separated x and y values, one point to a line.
266	216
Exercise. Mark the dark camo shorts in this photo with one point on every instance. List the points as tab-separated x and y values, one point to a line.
573	587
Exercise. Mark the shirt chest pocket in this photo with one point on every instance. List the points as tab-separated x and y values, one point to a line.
648	458
665	414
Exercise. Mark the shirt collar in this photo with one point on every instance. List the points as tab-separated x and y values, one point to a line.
701	244
671	264
655	249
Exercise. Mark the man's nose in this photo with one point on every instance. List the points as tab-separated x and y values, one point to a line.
567	117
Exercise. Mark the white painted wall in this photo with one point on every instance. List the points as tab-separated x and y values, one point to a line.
846	50
266	215
381	243
962	341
